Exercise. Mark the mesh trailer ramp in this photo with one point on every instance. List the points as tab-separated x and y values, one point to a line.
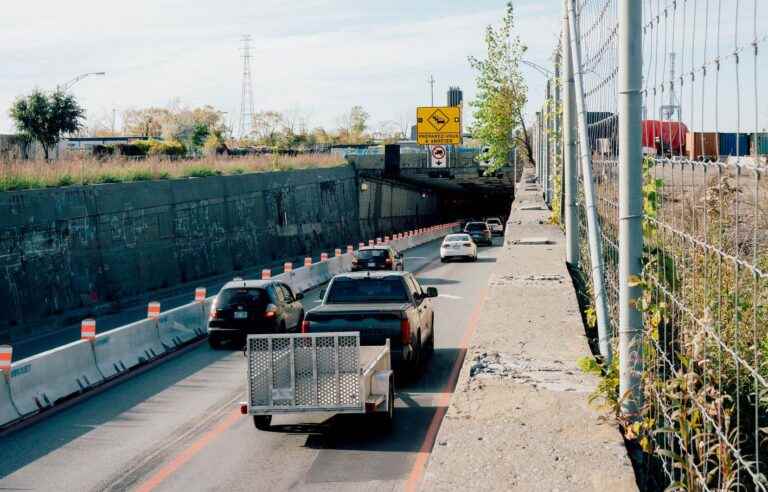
317	372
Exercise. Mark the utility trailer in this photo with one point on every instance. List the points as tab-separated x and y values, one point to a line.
317	372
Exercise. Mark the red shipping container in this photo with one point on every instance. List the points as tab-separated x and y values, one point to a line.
671	133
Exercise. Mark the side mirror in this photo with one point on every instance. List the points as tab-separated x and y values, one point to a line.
299	296
431	292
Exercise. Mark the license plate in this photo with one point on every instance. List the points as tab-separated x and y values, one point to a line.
371	264
241	314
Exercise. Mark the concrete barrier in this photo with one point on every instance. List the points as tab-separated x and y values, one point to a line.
8	411
39	381
126	347
183	324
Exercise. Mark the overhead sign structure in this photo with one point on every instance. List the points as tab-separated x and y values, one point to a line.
438	156
438	125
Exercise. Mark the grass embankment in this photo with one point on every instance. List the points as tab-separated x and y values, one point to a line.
24	175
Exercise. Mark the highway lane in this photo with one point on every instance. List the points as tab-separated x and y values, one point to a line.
177	426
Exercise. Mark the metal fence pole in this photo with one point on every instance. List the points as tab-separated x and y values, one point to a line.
547	122
570	171
630	81
593	226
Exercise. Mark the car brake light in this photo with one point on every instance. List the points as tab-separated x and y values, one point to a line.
305	325
405	331
271	311
389	261
214	314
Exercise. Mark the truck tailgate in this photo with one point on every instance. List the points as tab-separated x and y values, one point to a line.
375	324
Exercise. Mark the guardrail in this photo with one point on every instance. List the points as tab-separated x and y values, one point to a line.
35	384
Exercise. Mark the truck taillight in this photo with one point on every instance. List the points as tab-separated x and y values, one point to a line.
305	326
405	331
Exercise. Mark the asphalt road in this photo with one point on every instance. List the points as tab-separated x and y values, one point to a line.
178	427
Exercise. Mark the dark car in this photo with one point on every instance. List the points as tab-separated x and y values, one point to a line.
380	306
246	307
480	233
381	257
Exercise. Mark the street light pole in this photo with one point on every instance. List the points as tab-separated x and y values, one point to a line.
68	85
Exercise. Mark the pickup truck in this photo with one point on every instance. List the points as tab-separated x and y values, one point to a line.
380	306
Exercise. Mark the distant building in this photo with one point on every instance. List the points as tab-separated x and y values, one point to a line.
413	132
87	143
455	96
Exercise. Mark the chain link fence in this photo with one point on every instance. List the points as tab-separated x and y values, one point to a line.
704	280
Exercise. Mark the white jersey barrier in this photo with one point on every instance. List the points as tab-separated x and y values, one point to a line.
38	382
183	324
126	347
8	412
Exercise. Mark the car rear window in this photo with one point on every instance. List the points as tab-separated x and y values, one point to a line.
248	297
372	253
477	226
366	290
457	238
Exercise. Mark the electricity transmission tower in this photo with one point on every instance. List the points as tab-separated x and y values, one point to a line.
246	97
668	110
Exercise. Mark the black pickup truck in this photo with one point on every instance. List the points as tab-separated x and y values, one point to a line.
380	306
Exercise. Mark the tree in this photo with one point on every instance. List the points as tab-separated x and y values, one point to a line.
44	117
352	125
501	93
145	122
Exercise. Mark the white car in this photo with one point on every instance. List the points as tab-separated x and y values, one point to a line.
458	246
495	225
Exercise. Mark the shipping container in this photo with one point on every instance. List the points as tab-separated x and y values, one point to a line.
759	144
702	145
735	144
671	135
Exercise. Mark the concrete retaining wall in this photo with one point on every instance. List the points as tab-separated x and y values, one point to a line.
67	251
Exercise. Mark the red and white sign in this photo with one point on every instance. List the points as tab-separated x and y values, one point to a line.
439	156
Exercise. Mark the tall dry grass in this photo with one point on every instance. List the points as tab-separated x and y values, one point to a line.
82	170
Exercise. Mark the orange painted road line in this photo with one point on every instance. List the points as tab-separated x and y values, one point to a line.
420	465
182	458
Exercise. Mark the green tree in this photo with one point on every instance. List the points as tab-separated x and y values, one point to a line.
501	93
44	117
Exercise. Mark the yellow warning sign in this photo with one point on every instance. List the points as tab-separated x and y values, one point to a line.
438	125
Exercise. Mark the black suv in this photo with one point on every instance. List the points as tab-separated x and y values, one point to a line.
245	307
381	257
480	233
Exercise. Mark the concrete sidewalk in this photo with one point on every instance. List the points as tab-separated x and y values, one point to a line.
519	418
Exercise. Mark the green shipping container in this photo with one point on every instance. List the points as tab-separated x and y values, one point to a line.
759	143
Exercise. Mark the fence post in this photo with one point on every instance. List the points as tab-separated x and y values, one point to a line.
570	172
630	81
593	225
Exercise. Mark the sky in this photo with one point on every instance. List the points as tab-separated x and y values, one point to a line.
317	59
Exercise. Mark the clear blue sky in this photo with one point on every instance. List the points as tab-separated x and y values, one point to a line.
319	59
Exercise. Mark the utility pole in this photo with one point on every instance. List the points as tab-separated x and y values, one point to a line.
630	82
246	95
593	224
431	82
570	170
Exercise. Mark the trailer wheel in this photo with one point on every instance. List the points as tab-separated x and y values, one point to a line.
262	422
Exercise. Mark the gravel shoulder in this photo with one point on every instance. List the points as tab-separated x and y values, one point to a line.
519	418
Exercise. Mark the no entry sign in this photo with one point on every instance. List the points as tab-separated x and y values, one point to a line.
439	156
